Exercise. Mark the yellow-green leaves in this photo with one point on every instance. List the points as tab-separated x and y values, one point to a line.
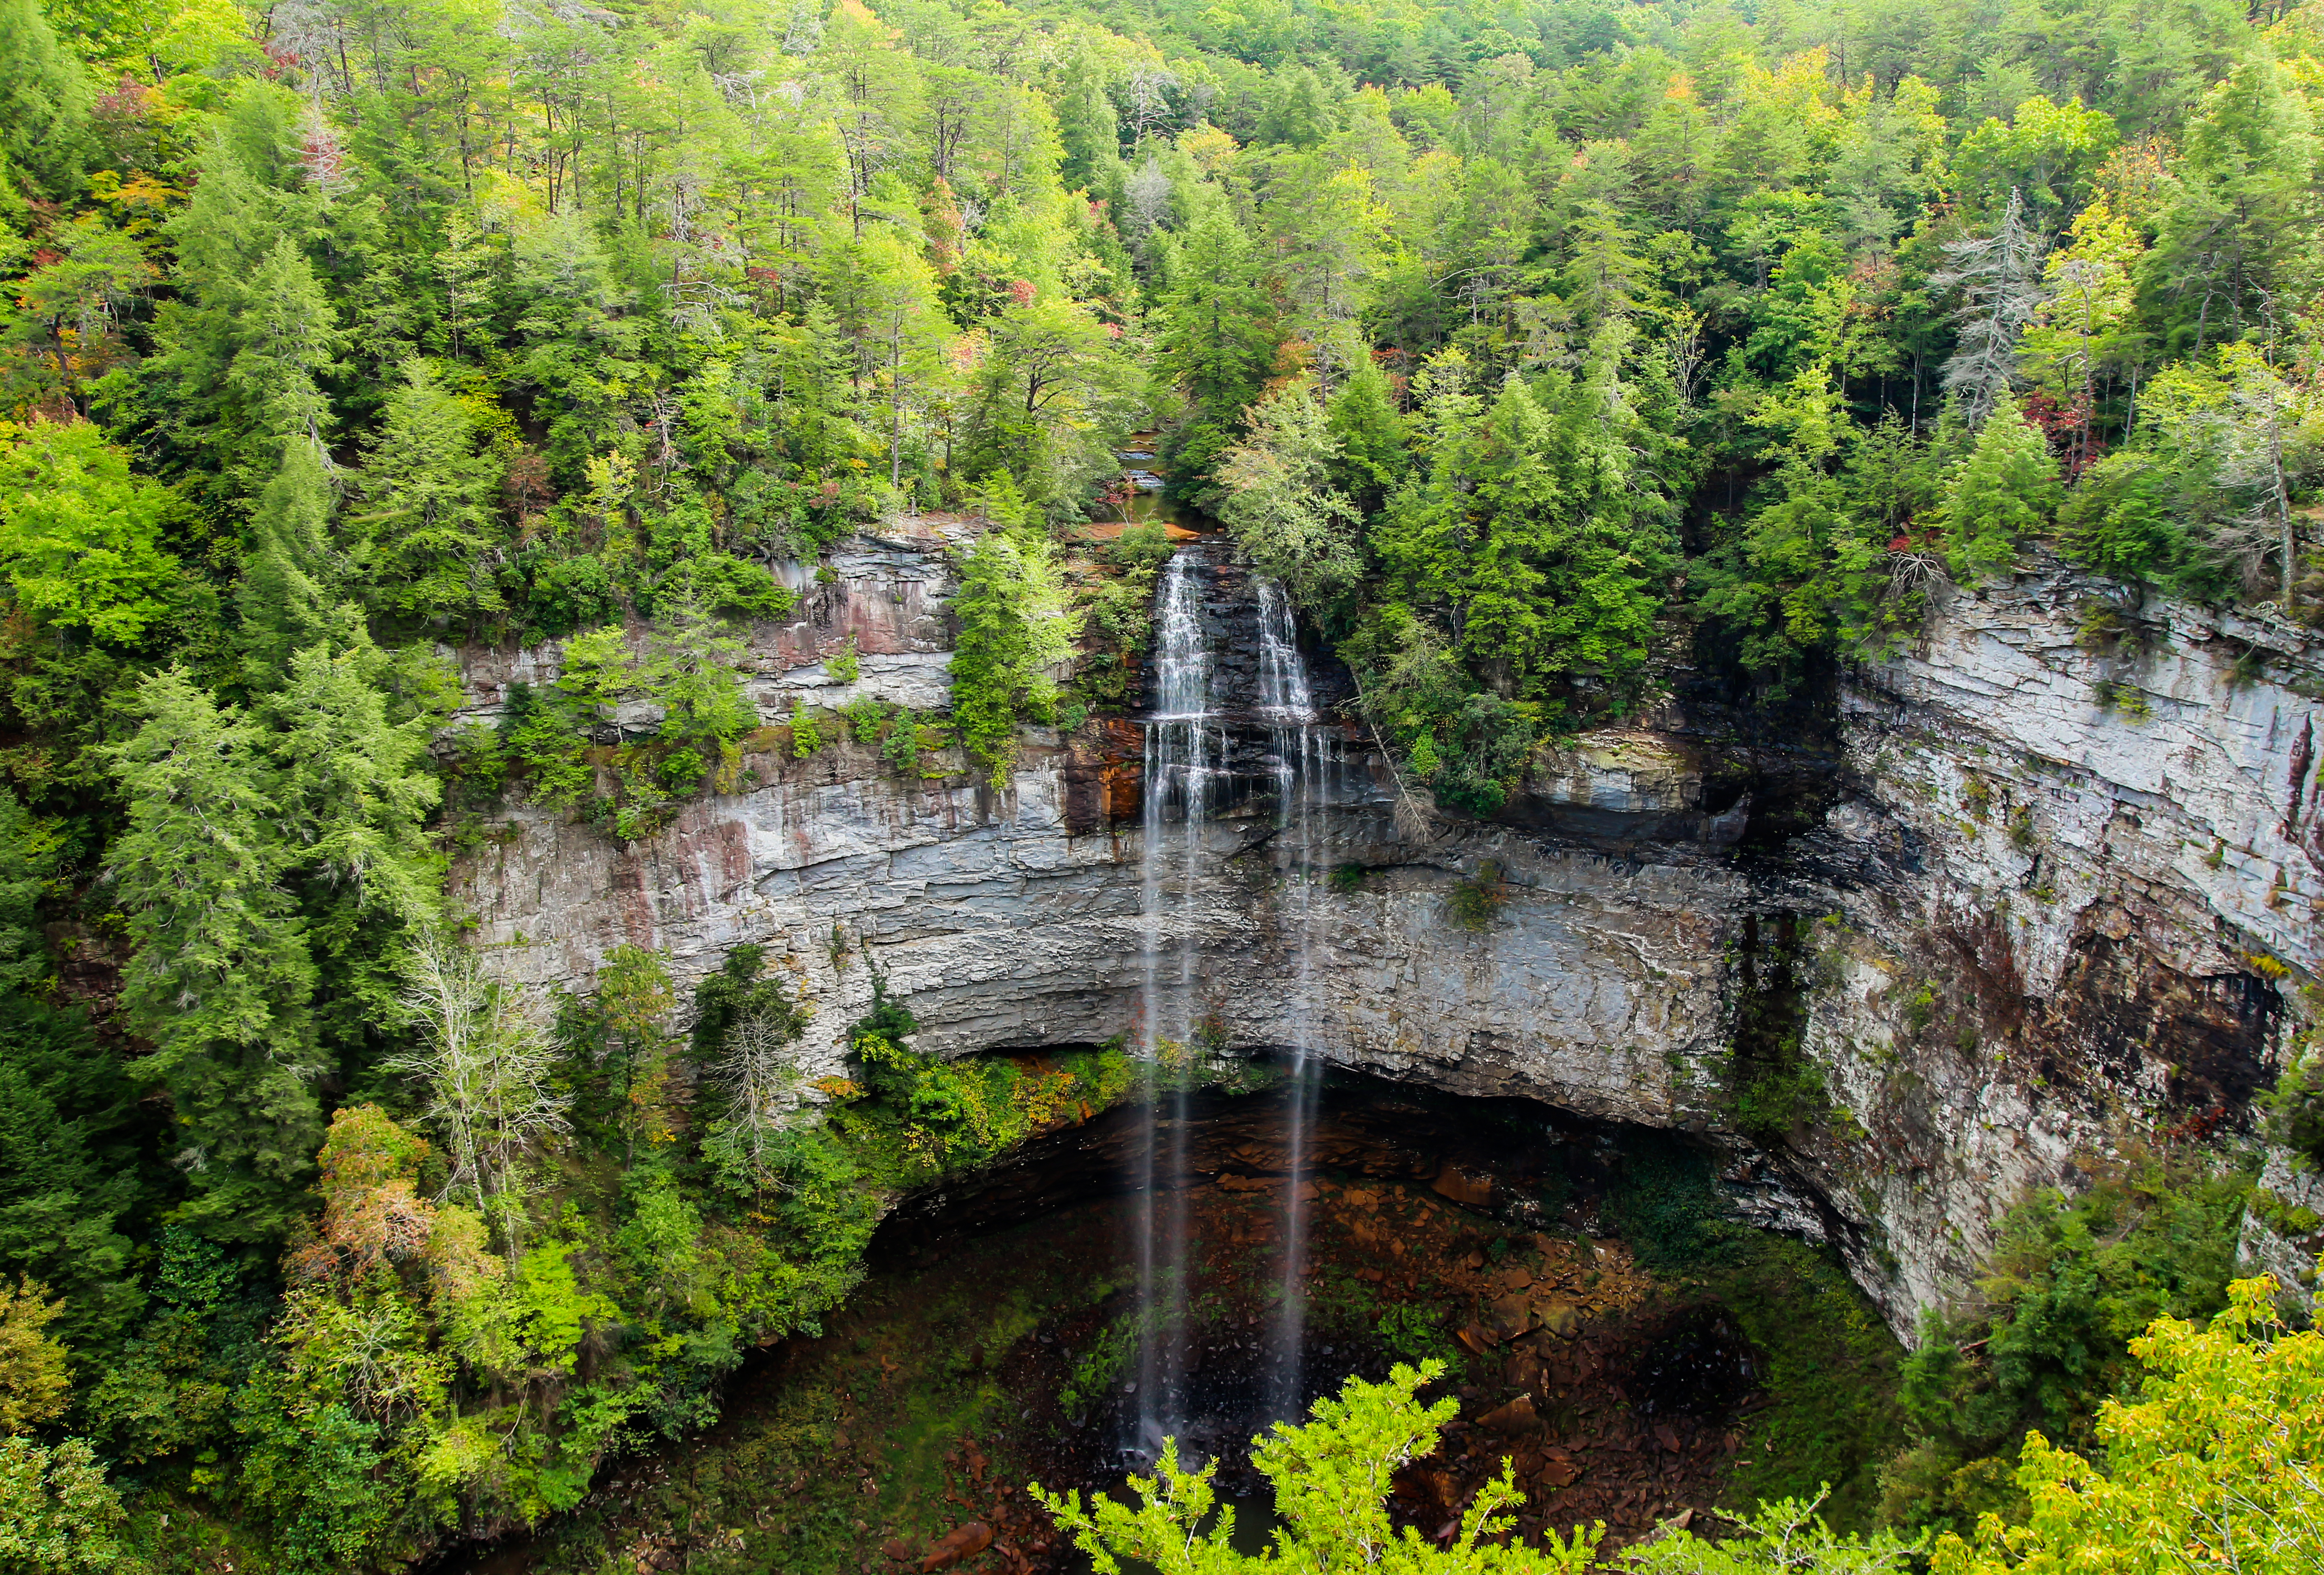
79	536
2215	1466
1332	1479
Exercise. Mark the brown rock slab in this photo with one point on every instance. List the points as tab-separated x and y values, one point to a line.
1471	1187
898	1549
1478	1337
1512	1315
1515	1417
953	1546
1562	1318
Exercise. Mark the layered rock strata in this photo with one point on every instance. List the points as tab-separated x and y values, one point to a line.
2044	887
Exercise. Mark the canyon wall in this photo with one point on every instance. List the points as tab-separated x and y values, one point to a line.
2033	891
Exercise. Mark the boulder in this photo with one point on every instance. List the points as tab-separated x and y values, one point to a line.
1467	1185
1510	1315
953	1546
1478	1337
1516	1417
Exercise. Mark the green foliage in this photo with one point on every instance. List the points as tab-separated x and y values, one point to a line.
805	736
68	1173
2003	491
58	1514
1475	899
1470	748
1535	533
1416	1334
424	551
2296	1109
2211	1462
1099	1364
1782	1535
292	595
1330	1479
913	1117
865	717
1599	345
223	978
80	537
1014	626
171	1386
1825	562
906	739
2072	1280
44	103
1289	522
1146	547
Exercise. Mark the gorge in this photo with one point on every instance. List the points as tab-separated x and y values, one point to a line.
1532	780
2084	899
1999	907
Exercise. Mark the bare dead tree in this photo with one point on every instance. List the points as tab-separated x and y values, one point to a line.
1999	277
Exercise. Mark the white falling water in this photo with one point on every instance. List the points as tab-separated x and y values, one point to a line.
1182	743
1301	755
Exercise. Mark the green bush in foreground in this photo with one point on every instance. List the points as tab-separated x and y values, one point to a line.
2214	1468
1330	1480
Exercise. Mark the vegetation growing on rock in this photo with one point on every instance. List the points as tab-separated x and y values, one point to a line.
1532	347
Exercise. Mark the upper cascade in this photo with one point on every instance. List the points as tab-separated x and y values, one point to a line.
1182	657
1283	695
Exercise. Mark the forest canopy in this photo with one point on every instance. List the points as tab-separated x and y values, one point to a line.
1538	349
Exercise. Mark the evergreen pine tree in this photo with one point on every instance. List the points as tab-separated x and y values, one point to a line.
990	656
220	980
433	533
1369	436
66	1174
290	338
2003	491
44	131
288	598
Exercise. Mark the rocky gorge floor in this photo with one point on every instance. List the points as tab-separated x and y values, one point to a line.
992	1343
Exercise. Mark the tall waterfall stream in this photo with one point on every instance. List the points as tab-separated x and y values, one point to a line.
1186	751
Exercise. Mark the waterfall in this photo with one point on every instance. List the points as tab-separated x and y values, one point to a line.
1186	758
1182	743
1298	750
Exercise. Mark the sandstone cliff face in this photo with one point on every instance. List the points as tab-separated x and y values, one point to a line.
2017	924
2090	871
